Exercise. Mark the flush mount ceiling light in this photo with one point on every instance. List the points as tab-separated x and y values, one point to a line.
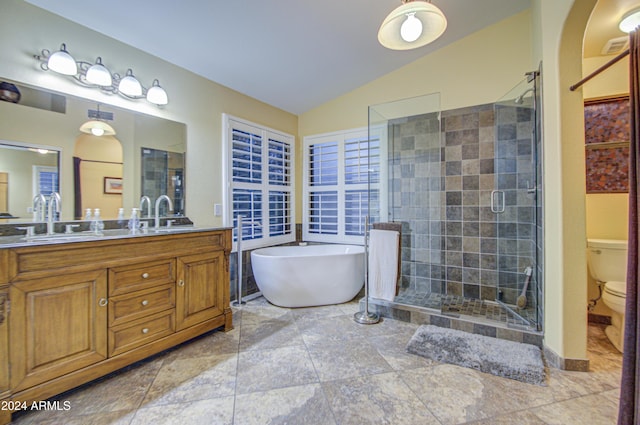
96	75
413	24
630	21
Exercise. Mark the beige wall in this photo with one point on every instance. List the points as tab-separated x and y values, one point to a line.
193	100
477	69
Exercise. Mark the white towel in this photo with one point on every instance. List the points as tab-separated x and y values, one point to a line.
383	263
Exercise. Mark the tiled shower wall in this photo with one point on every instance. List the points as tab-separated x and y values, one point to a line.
452	242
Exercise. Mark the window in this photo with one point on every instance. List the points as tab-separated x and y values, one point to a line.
45	180
341	185
260	177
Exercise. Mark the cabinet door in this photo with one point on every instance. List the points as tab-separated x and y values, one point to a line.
58	325
4	342
200	291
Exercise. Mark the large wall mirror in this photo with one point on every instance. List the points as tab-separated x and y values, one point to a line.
42	150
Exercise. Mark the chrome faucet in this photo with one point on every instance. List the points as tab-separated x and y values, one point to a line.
158	202
39	207
147	200
53	199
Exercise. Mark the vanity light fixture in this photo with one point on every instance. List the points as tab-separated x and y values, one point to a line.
415	23
129	85
62	62
630	21
98	76
156	94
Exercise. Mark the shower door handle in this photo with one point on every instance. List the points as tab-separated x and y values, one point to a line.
500	205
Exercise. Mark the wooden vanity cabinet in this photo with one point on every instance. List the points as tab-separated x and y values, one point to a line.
82	310
198	301
5	416
57	326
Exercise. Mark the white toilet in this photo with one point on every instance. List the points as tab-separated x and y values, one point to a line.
607	260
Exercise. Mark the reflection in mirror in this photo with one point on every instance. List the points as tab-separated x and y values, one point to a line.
97	170
25	171
44	118
163	174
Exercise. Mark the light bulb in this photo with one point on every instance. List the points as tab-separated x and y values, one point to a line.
411	28
97	131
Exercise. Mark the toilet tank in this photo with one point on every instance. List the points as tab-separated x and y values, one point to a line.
607	259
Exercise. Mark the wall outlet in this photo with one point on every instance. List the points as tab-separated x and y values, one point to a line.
217	210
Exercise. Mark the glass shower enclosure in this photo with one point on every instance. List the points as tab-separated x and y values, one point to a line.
465	185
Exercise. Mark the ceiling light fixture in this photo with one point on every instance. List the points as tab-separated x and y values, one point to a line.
97	128
415	23
630	21
98	76
96	125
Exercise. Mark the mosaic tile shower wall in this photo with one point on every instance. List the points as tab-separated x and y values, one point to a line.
415	178
441	184
163	174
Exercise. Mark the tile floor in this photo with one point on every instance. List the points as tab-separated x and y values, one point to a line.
317	366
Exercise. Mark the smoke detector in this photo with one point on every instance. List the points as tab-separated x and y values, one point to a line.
615	45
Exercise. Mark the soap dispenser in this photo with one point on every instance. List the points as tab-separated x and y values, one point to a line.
97	225
134	221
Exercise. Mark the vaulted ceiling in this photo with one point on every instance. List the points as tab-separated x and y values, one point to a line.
293	54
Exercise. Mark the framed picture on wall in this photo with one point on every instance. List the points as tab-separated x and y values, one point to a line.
113	185
606	133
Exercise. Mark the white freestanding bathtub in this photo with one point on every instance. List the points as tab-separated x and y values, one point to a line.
304	276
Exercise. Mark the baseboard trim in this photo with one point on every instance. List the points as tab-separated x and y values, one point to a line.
599	319
559	362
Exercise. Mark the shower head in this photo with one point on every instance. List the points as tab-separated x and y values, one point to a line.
520	99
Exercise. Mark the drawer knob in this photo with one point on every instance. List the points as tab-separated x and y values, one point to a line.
103	302
145	275
145	330
144	302
181	282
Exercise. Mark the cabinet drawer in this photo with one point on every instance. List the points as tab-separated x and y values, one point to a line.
140	276
133	334
124	308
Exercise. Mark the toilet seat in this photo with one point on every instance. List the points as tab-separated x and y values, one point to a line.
617	289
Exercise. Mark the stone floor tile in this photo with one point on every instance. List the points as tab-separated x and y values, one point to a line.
192	379
271	333
218	411
594	409
376	399
265	370
457	394
346	359
304	404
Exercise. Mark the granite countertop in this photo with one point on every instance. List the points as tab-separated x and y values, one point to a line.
13	241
